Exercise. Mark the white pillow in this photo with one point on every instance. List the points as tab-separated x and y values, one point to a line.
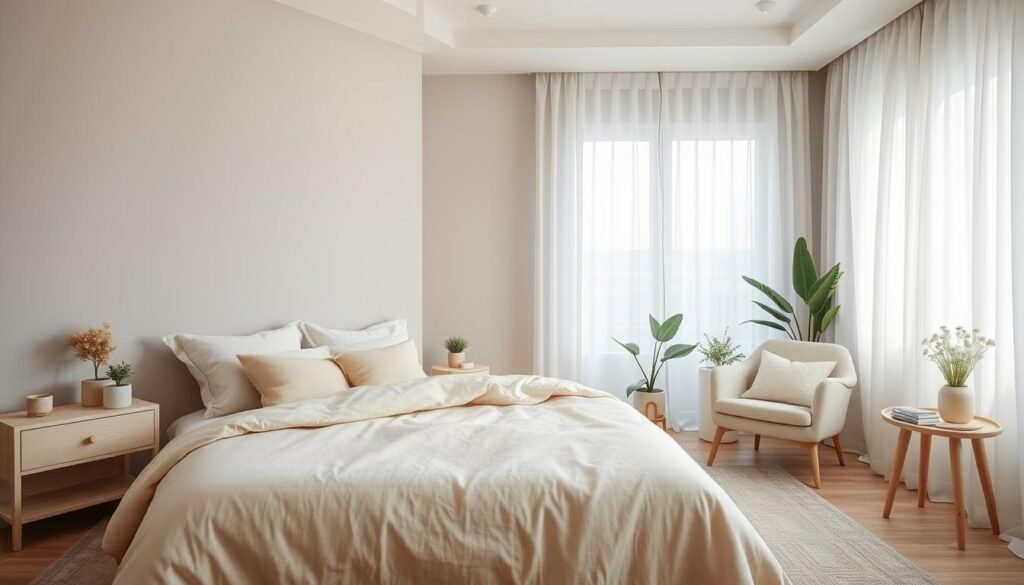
782	380
213	362
339	340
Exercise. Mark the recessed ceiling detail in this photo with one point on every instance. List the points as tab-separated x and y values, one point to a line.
612	35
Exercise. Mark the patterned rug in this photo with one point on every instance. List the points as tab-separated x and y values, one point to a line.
815	542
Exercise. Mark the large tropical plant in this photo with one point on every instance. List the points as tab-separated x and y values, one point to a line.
662	333
816	292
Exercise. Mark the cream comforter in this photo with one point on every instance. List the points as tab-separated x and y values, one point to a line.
452	479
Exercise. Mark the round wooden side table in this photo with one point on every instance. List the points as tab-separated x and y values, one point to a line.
446	371
989	428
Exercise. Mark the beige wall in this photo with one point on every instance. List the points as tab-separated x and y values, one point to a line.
214	166
478	202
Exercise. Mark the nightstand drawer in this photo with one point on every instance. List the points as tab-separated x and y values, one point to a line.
77	441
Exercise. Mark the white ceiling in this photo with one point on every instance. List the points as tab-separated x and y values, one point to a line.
615	35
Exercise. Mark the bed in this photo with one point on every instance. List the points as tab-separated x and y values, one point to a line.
452	479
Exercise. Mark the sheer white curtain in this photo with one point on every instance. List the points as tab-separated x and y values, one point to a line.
656	192
918	210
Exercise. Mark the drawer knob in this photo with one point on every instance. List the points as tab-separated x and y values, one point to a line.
92	439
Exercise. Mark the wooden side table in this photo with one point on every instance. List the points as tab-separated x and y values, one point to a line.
989	428
445	370
75	457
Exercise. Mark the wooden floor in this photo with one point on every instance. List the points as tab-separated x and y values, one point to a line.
924	535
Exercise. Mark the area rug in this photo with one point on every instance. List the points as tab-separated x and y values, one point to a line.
83	564
813	540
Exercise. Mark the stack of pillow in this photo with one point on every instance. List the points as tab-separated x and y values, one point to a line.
237	373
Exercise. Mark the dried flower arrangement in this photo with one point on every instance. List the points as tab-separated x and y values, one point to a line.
94	345
957	352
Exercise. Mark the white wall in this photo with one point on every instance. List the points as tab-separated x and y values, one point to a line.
478	205
214	166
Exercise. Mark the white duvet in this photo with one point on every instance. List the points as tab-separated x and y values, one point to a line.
452	479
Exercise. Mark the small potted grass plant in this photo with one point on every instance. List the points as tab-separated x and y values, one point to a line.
645	391
717	351
456	347
119	393
93	345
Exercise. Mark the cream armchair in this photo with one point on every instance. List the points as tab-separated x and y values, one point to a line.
808	425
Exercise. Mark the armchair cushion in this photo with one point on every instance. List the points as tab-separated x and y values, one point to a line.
763	410
781	380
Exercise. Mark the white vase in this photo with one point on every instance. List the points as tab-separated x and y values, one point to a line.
641	399
92	391
956	404
117	396
705	426
455	359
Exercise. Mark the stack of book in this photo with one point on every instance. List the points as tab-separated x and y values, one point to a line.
916	416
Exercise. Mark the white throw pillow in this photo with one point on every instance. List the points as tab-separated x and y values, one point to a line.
340	340
213	362
387	365
782	380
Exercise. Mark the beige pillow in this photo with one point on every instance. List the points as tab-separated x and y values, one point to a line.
387	365
781	380
291	379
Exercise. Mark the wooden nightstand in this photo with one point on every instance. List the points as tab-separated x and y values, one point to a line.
73	458
445	370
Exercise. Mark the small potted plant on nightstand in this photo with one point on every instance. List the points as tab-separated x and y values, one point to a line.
717	352
118	394
456	347
645	391
93	345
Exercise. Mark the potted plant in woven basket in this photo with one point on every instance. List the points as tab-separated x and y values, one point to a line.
93	345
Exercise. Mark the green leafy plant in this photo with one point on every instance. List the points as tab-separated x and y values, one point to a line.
662	333
119	373
456	344
816	292
720	351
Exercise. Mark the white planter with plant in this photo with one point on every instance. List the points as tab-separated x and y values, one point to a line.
456	347
716	352
119	393
645	391
93	345
956	353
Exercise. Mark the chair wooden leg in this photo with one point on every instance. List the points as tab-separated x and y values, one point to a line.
813	448
719	433
839	450
757	442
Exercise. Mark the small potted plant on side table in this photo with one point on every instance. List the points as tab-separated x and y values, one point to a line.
716	352
456	347
93	345
118	394
647	397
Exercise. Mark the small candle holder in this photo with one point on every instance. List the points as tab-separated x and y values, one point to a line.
39	404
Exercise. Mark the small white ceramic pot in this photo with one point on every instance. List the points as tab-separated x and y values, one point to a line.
92	391
117	396
656	399
705	424
455	359
956	404
38	404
